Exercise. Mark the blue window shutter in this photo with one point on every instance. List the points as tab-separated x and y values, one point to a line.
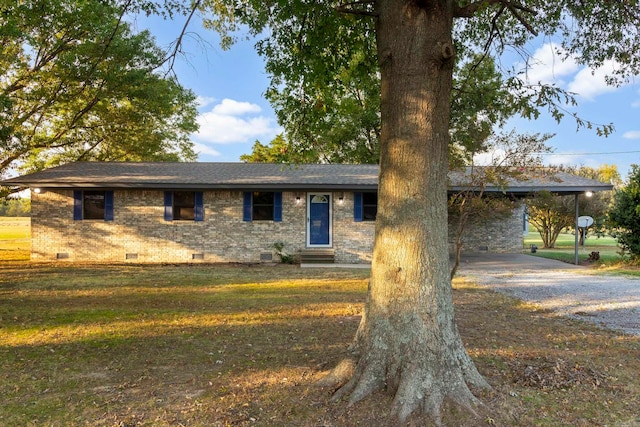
168	205
77	205
357	207
108	205
277	206
246	205
199	206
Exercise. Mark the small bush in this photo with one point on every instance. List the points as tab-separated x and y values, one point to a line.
285	258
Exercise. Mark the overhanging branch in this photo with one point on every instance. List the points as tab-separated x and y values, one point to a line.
515	8
515	11
177	49
362	7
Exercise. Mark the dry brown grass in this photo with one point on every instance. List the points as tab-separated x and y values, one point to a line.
243	346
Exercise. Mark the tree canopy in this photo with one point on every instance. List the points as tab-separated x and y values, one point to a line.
77	84
624	215
407	342
325	88
343	126
279	151
15	207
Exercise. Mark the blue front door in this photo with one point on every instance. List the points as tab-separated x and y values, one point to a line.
319	220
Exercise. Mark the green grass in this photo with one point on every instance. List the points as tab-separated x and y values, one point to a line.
567	241
15	235
216	345
564	249
610	262
202	345
129	345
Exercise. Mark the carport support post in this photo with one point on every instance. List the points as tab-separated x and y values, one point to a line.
576	224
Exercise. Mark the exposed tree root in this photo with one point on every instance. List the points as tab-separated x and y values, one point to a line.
421	379
339	375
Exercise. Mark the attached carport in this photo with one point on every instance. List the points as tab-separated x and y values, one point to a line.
532	181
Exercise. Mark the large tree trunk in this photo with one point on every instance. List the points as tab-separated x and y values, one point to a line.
408	342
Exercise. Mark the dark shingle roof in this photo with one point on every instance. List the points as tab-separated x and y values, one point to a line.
263	176
531	181
203	176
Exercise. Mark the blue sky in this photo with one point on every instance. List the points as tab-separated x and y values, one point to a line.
233	112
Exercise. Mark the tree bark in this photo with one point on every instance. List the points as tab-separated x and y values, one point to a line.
408	342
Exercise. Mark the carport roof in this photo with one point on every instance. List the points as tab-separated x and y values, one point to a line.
267	176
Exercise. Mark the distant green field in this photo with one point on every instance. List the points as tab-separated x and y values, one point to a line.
15	238
565	247
566	240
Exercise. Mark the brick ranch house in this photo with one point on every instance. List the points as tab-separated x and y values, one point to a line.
233	212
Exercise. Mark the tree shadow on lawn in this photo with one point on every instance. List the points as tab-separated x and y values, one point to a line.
547	369
66	275
253	358
108	353
196	375
141	310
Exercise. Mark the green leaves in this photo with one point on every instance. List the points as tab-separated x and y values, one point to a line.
325	80
278	151
77	84
624	215
480	101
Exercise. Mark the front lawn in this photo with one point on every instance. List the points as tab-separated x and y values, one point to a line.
97	345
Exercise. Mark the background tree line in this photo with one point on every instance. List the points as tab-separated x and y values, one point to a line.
11	206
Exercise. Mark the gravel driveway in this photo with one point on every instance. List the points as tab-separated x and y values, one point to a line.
607	300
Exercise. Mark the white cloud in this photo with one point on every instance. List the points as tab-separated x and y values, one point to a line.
489	158
205	149
635	104
221	129
497	155
566	159
548	65
632	134
204	101
232	122
235	108
590	83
